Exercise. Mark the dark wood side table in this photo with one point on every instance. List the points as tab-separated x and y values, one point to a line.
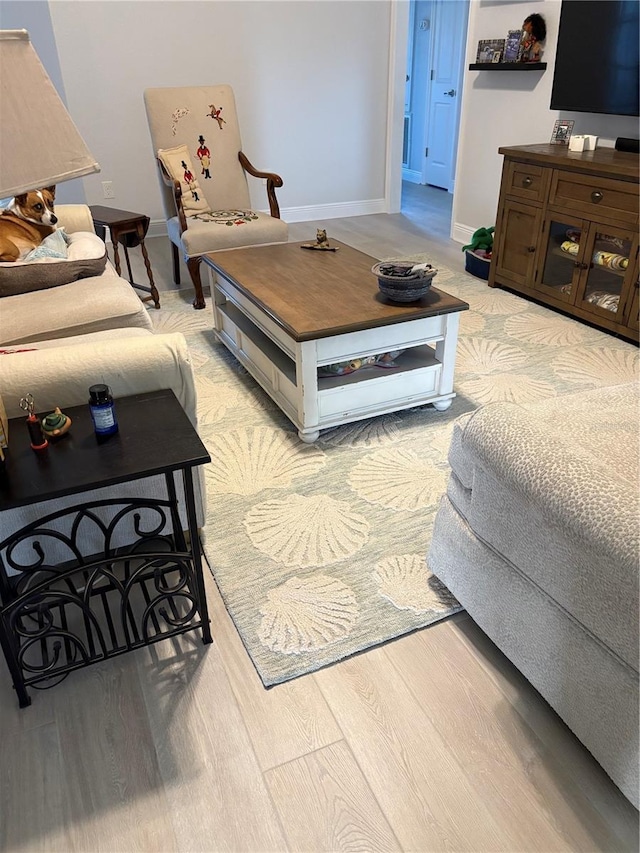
58	615
129	229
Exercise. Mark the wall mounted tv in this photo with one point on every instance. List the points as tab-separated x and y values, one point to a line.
597	67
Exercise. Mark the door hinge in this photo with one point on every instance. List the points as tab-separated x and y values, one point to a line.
426	152
432	74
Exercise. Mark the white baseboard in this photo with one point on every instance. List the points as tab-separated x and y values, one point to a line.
411	175
462	233
158	227
333	211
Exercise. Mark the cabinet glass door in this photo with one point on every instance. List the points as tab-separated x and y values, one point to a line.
563	258
609	266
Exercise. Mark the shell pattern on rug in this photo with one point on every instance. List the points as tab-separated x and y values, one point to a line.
598	367
534	328
399	479
304	615
368	433
246	461
490	301
306	531
472	322
482	355
408	584
506	387
215	399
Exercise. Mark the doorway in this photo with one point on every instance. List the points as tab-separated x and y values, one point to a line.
436	40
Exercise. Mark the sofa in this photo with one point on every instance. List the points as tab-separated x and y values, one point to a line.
538	538
56	342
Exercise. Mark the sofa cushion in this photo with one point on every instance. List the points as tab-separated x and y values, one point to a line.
257	230
86	256
87	305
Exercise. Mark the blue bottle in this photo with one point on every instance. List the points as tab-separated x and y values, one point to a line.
102	410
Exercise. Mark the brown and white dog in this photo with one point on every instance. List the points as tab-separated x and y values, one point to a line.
25	223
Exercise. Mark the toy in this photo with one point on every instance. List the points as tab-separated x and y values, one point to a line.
482	239
534	31
321	243
55	424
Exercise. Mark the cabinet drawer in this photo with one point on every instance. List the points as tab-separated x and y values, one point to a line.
595	197
525	181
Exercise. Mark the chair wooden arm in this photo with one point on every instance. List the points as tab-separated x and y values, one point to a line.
177	194
272	179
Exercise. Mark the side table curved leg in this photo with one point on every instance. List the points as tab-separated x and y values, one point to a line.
153	290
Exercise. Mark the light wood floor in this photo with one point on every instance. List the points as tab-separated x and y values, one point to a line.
431	742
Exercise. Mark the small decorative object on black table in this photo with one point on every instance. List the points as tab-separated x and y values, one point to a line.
56	424
36	436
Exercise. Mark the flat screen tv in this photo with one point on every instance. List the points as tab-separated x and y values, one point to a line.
597	67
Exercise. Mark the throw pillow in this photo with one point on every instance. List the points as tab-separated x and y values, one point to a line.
178	164
86	256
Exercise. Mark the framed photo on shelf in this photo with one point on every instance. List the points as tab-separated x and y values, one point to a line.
562	131
490	50
513	46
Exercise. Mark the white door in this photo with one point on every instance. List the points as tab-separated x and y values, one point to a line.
444	97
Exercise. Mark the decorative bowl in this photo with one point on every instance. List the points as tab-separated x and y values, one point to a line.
403	281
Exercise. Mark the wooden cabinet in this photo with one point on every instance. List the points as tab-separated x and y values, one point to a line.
567	232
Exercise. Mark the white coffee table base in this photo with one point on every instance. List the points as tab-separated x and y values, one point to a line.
288	369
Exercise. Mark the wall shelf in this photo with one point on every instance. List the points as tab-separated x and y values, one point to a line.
508	66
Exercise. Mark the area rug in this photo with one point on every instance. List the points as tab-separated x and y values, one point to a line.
319	550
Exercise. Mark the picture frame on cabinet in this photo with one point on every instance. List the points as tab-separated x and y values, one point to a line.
562	130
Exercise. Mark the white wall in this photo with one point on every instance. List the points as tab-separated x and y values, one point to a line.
310	80
509	108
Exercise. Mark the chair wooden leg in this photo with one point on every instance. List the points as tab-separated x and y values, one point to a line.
175	254
193	265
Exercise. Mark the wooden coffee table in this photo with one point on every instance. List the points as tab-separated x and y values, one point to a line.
284	312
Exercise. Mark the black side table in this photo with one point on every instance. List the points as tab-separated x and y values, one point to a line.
129	230
56	615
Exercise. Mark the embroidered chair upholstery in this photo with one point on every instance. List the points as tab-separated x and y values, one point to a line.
203	177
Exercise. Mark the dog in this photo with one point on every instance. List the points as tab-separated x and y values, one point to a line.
25	223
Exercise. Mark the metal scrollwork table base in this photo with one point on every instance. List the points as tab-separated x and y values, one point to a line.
63	609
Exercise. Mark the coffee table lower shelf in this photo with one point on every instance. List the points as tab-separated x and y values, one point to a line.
288	369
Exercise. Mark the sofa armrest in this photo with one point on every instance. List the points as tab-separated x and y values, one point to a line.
74	217
61	376
550	468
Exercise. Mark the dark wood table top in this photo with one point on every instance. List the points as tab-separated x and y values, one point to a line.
155	436
314	294
109	216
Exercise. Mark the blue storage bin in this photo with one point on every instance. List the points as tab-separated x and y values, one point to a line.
476	265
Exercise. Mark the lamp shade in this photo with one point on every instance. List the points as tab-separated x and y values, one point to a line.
39	143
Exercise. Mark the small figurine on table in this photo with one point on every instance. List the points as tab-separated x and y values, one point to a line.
55	424
321	243
534	31
38	440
